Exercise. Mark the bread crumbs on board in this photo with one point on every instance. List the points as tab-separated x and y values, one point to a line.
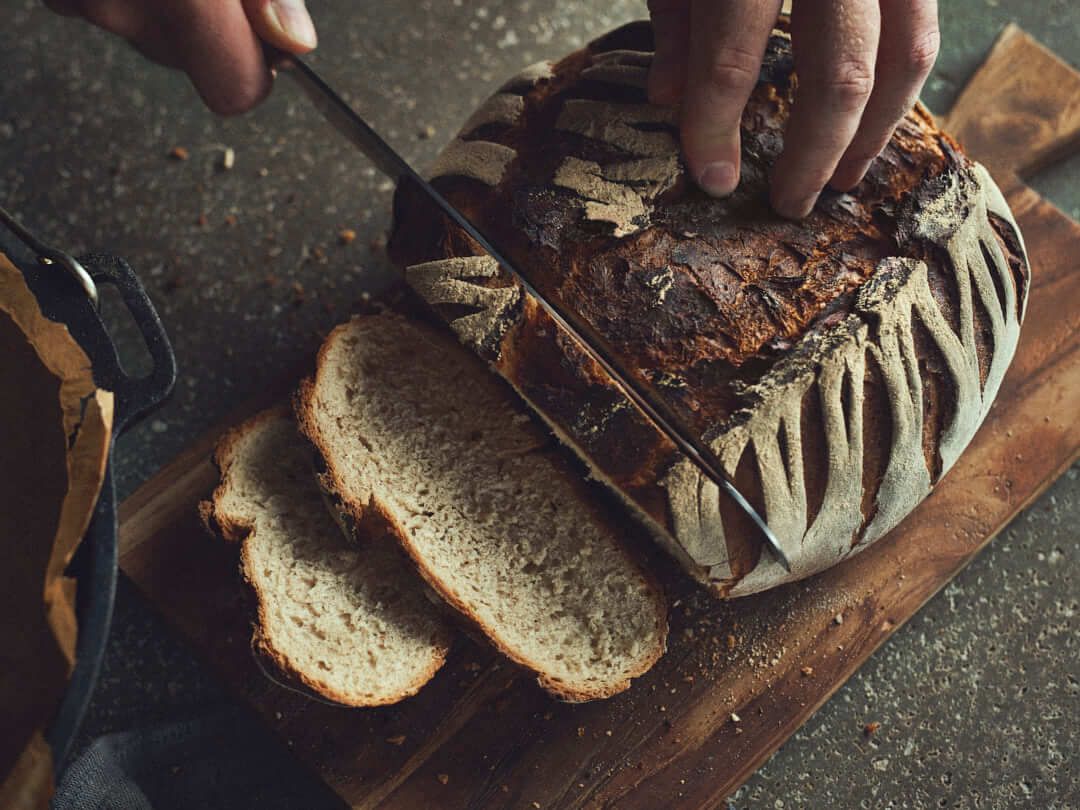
179	153
444	778
397	739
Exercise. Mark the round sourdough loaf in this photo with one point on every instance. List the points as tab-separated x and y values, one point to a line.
839	365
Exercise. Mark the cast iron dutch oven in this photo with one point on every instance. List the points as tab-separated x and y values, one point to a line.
66	290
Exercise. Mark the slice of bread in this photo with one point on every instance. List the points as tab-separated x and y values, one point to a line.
346	618
416	431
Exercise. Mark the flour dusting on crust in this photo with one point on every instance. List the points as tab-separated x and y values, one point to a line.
455	282
824	364
626	126
480	160
501	108
618	193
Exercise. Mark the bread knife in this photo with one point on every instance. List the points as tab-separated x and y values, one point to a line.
350	124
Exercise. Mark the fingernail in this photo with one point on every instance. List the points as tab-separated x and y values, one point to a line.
719	179
292	17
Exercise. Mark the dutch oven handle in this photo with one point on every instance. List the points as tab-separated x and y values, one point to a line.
134	395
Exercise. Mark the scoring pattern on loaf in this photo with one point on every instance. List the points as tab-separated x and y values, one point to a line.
825	363
627	126
461	281
622	67
483	160
619	193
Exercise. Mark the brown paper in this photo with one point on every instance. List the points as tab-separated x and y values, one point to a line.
54	438
29	786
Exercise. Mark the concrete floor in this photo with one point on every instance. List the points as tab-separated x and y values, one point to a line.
977	696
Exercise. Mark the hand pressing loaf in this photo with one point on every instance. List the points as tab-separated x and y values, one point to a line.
345	617
415	433
838	366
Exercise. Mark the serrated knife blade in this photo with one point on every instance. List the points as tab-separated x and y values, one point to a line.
350	124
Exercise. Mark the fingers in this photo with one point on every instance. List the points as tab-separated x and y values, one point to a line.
213	41
221	54
285	24
727	43
135	22
671	33
909	46
121	18
835	43
68	8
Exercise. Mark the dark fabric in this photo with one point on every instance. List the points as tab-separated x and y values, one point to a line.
218	762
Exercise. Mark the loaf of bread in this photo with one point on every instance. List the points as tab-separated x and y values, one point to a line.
838	365
344	617
417	436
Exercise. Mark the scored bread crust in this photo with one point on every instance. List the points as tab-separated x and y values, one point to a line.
221	523
361	513
838	366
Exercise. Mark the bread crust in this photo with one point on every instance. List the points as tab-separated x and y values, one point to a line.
234	529
361	512
738	318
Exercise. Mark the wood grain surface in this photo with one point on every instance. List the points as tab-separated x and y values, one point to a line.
739	677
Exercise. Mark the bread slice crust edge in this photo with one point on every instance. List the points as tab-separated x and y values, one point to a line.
359	512
233	530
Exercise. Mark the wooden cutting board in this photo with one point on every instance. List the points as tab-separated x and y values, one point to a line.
482	735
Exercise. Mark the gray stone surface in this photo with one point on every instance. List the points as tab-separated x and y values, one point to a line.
977	696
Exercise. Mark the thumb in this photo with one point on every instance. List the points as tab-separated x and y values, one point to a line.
284	24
